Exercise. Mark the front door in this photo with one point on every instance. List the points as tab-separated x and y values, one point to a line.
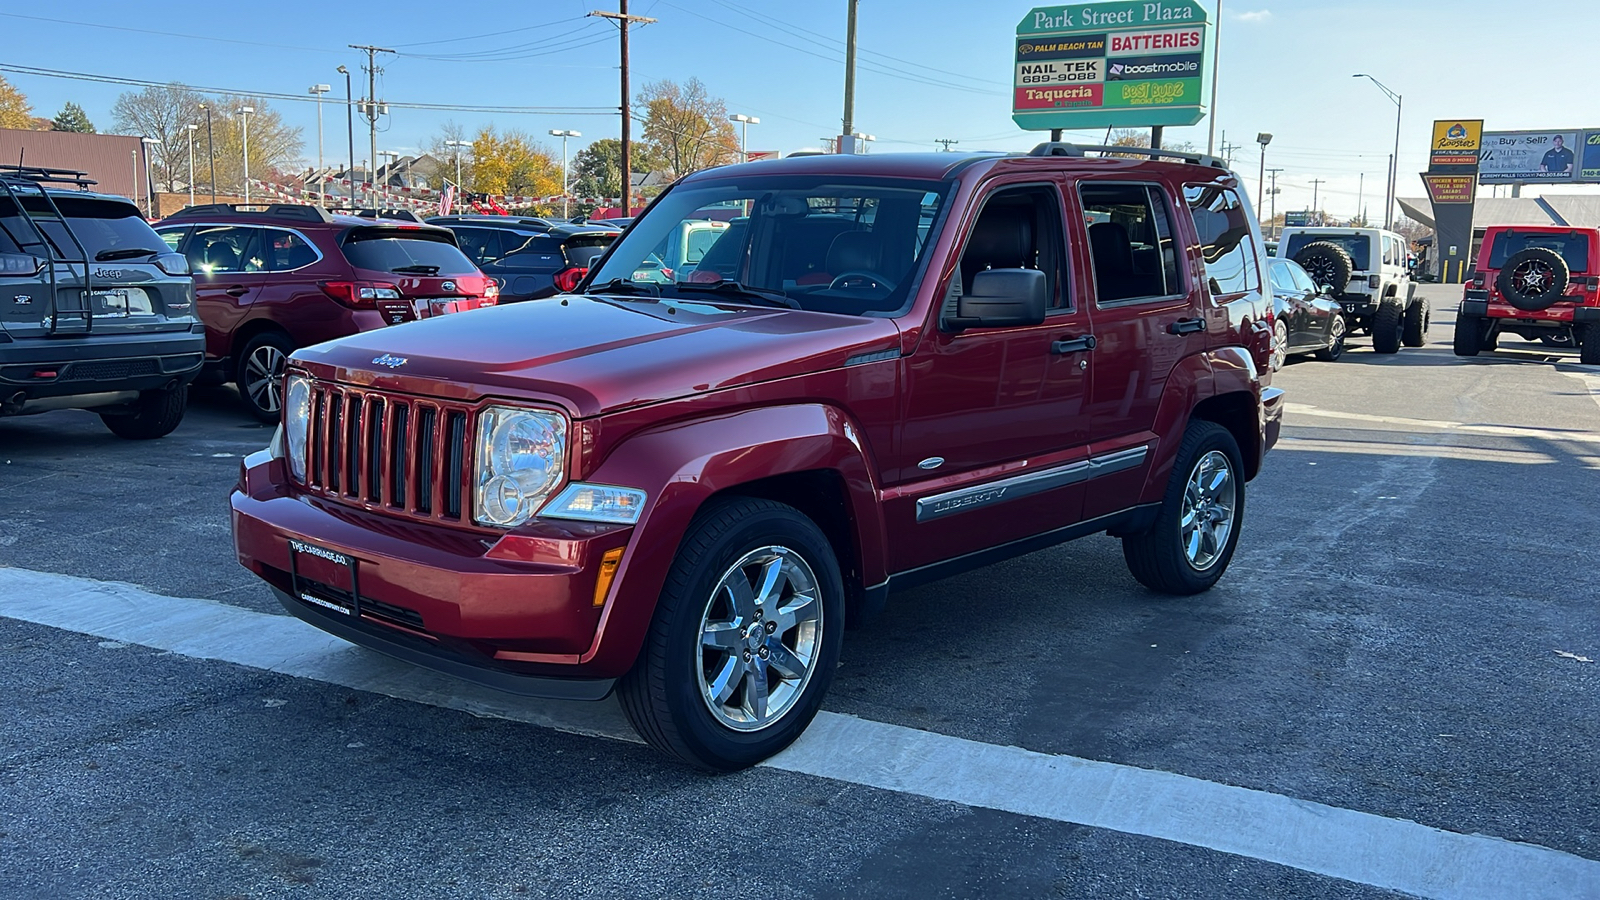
230	272
991	447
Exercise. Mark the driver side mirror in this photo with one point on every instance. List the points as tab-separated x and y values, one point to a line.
1003	298
1325	290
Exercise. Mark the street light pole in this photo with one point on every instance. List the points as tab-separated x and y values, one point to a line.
1263	139
1216	63
211	151
744	134
244	120
149	189
556	132
322	179
350	128
1394	161
192	128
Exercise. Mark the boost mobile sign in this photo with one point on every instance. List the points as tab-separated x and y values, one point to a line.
1124	64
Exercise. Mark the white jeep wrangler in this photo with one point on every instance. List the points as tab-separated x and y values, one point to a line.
1366	270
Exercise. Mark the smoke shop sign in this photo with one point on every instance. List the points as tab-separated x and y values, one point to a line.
1125	64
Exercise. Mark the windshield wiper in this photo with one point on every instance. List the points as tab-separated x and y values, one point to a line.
769	297
416	270
124	253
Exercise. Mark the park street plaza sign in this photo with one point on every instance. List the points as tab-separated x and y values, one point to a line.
1130	64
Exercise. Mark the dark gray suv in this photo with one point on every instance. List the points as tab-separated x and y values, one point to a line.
95	311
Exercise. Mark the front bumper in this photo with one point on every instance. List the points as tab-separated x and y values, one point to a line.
511	611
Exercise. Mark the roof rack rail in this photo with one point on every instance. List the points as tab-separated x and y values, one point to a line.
43	175
298	211
367	212
1061	148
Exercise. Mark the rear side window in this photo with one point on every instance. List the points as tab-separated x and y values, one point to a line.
1574	248
1130	241
286	251
1225	244
1281	278
394	250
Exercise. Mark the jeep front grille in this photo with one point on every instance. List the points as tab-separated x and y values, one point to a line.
390	452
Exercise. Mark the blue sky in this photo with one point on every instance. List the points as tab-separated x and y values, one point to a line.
929	69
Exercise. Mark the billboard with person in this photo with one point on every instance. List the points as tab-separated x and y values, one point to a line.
1530	157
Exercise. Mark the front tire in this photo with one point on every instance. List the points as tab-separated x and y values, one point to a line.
745	638
1386	327
1197	528
1335	348
156	414
1280	346
260	374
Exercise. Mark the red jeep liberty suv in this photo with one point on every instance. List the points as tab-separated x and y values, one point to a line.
885	370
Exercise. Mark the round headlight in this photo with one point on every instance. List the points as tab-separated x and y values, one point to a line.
297	423
521	461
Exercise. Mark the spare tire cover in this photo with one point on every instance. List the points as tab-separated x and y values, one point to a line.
1327	263
1533	279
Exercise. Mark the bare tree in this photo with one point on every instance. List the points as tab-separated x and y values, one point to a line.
165	113
439	147
274	147
162	113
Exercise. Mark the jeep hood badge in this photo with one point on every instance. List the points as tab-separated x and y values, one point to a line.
389	362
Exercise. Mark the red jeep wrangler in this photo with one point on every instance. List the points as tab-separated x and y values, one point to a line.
886	370
1539	282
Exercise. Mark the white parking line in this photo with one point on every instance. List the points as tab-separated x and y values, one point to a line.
1393	854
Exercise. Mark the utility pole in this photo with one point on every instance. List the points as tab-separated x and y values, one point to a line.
372	108
623	20
350	130
847	141
946	142
211	151
1273	217
1216	61
1315	182
1361	197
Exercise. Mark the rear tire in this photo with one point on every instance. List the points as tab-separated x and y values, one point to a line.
699	691
1386	327
1468	329
259	374
156	414
1197	528
1335	348
1589	354
1415	333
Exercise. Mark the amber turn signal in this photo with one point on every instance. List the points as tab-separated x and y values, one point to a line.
608	571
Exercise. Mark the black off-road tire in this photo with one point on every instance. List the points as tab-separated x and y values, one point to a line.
1514	293
1414	332
1589	348
272	344
661	694
1469	333
156	414
1386	326
1327	263
1156	558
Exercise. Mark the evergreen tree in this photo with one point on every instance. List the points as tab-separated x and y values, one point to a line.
72	118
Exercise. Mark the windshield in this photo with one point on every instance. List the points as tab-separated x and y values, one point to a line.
100	225
1357	245
1574	248
390	250
820	243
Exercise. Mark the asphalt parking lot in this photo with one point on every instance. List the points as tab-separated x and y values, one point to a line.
1407	633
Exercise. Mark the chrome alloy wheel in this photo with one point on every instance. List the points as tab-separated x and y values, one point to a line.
1336	332
263	377
760	636
1208	501
1280	345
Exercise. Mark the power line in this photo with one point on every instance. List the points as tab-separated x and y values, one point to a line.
297	98
192	37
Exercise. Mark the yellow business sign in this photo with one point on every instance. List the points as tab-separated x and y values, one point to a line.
1456	142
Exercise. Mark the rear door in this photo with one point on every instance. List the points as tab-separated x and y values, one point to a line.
1147	315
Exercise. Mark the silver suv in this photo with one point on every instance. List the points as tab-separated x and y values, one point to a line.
95	312
1365	270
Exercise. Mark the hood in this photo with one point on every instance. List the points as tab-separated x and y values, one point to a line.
598	354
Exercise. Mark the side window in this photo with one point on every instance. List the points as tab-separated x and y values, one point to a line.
1019	228
1281	278
1225	245
474	243
286	251
1130	241
1302	280
215	249
173	237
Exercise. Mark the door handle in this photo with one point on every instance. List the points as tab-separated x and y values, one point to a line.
1187	326
1073	345
237	290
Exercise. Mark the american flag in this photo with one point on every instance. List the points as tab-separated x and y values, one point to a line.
447	200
